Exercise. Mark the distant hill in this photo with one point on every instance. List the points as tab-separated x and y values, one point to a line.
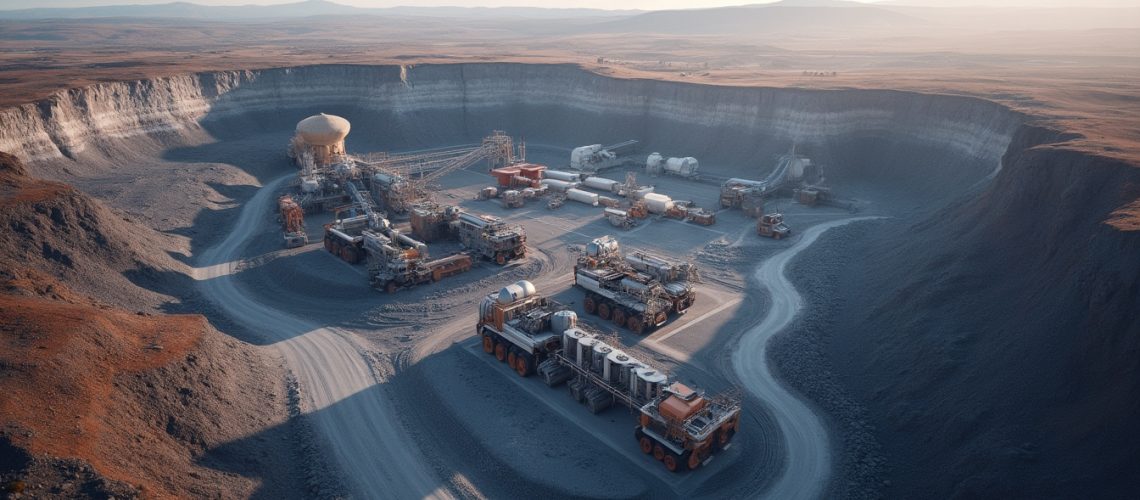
800	17
308	8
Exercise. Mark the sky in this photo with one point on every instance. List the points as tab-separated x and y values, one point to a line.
595	4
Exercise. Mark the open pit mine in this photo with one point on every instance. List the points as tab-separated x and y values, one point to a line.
477	280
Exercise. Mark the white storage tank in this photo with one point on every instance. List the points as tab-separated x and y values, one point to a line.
601	247
601	350
642	192
602	184
561	175
657	203
684	167
561	321
653	163
570	339
648	382
617	361
558	185
516	291
582	197
586	351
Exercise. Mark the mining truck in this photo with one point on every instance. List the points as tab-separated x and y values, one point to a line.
292	222
675	277
397	261
772	226
489	237
616	292
677	425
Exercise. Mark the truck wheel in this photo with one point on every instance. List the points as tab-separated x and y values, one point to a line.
500	352
390	287
604	310
500	259
619	317
694	461
488	344
646	444
522	365
658	451
590	306
635	325
671	462
511	357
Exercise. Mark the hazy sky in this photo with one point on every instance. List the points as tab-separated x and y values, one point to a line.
597	4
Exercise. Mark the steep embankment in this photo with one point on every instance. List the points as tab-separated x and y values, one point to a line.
997	345
98	400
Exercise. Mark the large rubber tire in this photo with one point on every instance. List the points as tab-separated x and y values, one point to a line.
619	316
511	357
693	462
501	352
488	344
604	310
390	287
672	462
523	365
590	305
635	325
646	444
658	451
500	259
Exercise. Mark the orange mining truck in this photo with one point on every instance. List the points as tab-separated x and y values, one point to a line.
677	425
292	222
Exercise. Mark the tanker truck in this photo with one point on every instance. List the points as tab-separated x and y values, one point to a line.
679	426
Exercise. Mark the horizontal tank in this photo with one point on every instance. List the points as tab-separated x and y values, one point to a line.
516	291
602	247
582	197
561	176
657	203
685	167
558	185
642	191
602	184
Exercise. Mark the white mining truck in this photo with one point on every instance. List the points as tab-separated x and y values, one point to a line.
489	237
677	425
625	292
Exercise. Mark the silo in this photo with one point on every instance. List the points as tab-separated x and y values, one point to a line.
322	136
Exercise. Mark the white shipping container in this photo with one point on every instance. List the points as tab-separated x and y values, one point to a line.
582	197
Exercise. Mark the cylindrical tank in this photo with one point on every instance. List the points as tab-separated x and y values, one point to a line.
640	193
561	321
570	339
586	351
558	185
487	306
472	219
516	291
686	167
633	285
653	163
615	212
657	203
601	350
323	130
561	175
649	382
601	247
582	196
602	184
629	376
616	362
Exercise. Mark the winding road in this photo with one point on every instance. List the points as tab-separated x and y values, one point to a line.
347	407
808	466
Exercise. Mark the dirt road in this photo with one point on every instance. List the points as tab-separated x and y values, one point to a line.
808	465
348	408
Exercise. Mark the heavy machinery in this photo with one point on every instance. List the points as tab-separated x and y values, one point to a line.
292	222
595	157
656	164
619	218
489	237
396	261
772	226
677	425
676	277
618	292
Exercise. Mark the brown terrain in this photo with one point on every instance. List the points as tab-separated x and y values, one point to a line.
103	401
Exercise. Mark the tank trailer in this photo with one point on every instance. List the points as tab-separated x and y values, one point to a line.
677	425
